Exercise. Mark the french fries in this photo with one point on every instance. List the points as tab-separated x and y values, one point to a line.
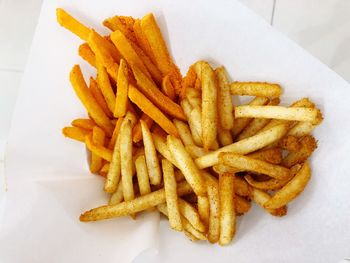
142	112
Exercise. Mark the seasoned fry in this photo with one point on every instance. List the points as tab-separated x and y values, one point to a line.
152	111
98	137
194	118
142	40
188	81
249	164
130	207
214	215
195	151
123	23
114	172
167	87
203	209
115	133
97	93
242	205
87	54
191	214
291	190
186	165
222	168
225	136
290	143
209	106
227	208
89	102
308	145
162	147
153	167
258	89
122	91
245	146
277	112
137	131
75	133
117	197
105	85
271	184
73	25
225	107
301	129
261	197
184	131
171	198
151	91
270	155
99	150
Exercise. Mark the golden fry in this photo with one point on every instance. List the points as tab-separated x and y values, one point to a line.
99	150
142	175
114	172
122	90
105	85
191	214
97	93
98	137
214	215
117	197
261	197
184	131
167	87
258	89
75	133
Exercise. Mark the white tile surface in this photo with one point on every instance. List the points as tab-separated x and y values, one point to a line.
261	7
18	19
321	27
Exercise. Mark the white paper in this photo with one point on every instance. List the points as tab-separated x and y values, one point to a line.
47	175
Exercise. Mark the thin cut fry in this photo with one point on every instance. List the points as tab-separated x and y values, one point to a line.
184	131
214	215
153	167
122	91
245	146
142	175
225	136
209	106
142	40
97	93
195	151
168	88
270	155
291	190
73	25
75	133
258	89
151	110
99	150
191	214
98	137
261	197
113	176
89	102
227	208
171	196
194	121
123	23
271	184
115	133
249	164
225	107
203	209
87	54
163	149
137	132
117	197
105	85
186	165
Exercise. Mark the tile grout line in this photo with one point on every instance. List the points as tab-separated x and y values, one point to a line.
273	12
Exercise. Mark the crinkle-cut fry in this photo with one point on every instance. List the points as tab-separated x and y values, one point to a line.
98	137
245	146
171	197
271	184
191	214
301	129
184	131
86	53
186	165
258	89
152	161
117	197
137	132
160	52
209	106
151	110
99	150
188	82
270	155
86	124
214	214
104	170
224	136
114	172
128	52
122	90
290	143
75	133
89	102
186	225
95	41
195	151
203	209
149	88
277	112
142	40
308	145
167	87
260	197
115	133
253	165
241	123
256	124
97	93
162	147
242	205
124	24
72	24
291	190
225	106
105	85
142	175
130	207
227	208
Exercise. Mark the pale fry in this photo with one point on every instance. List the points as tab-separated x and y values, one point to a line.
301	129
277	112
75	133
184	132
171	196
162	147
194	122
186	165
225	107
214	215
209	106
137	131
203	209
261	198
114	172
191	214
117	197
258	89
291	190
245	163
195	151
105	85
245	146
122	90
225	136
153	167
227	208
98	137
89	102
115	133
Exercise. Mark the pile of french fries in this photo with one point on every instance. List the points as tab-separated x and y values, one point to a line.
178	144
